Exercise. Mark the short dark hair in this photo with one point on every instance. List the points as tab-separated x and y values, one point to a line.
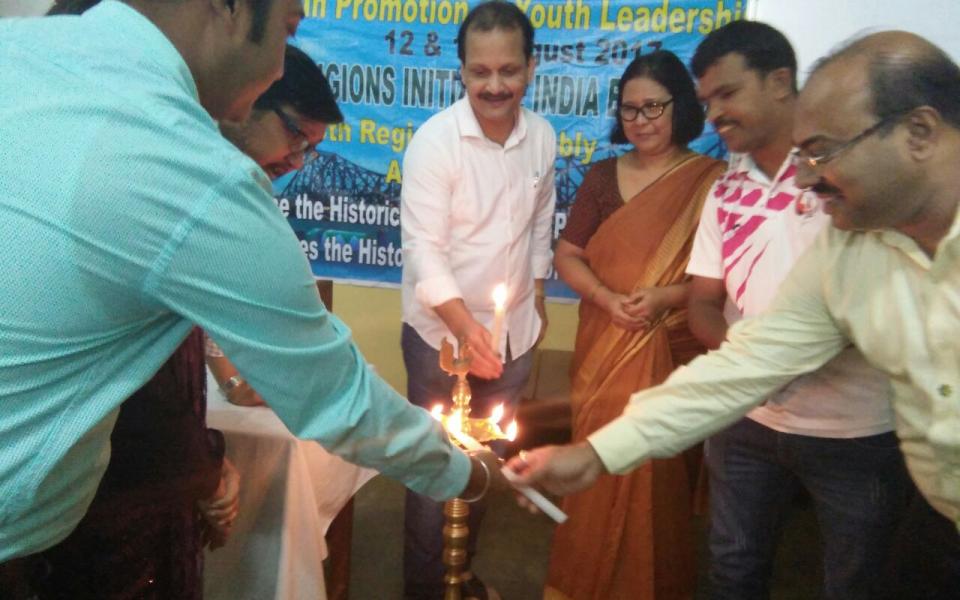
904	79
71	7
303	87
261	12
763	48
666	69
495	14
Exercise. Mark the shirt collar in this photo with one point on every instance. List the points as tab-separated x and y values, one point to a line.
744	166
470	127
908	246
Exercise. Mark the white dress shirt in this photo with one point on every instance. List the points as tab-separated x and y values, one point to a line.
475	214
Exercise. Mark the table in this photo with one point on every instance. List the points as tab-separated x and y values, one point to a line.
290	492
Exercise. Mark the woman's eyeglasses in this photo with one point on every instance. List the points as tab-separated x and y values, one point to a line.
650	110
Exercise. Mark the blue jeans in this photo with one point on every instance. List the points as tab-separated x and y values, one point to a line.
427	385
859	486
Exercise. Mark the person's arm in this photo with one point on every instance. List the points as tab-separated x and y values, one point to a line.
575	272
648	304
234	386
705	311
235	268
570	258
797	336
425	230
540	305
708	293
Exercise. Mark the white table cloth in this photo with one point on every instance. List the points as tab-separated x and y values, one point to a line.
290	491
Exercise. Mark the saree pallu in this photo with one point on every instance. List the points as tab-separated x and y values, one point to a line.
631	537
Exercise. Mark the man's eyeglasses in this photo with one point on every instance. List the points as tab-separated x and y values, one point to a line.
650	110
798	158
302	141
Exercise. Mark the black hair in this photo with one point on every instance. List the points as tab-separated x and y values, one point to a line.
666	69
71	7
304	88
763	48
495	14
260	8
904	79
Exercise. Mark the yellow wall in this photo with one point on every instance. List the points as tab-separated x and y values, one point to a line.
374	316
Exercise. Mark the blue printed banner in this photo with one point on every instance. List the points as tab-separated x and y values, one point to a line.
393	64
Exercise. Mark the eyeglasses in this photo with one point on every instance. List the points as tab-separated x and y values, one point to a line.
799	159
303	144
650	110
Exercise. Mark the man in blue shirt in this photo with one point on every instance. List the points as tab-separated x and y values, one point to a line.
126	220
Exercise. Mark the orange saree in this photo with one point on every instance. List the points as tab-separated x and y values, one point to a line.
631	537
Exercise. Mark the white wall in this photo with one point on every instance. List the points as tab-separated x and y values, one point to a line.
23	8
814	27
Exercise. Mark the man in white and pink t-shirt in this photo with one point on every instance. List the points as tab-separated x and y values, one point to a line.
831	431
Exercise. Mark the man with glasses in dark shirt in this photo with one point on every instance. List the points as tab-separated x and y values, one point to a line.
281	135
289	119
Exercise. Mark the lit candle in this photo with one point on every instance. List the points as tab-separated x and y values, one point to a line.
497	414
499	304
511	432
539	500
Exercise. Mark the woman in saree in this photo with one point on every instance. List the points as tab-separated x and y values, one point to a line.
624	250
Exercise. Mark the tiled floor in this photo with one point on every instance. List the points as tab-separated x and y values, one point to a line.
514	546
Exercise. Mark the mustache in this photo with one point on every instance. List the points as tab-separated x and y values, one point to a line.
496	97
822	188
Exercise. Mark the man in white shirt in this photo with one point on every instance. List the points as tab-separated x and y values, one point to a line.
878	135
476	211
829	432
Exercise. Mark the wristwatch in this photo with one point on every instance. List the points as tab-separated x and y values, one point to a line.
232	384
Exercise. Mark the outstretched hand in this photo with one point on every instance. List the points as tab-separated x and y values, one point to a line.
560	470
486	362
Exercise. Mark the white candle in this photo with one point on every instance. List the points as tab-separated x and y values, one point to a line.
499	307
539	500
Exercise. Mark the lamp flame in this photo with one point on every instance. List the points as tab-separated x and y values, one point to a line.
497	414
437	412
512	431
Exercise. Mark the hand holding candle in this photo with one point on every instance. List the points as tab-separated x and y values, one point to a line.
499	308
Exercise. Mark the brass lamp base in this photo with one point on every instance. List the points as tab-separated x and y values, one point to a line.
455	532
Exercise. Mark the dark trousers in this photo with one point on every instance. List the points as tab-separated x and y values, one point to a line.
428	385
859	488
925	560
